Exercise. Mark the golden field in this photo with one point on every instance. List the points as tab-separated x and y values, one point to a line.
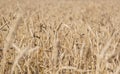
59	37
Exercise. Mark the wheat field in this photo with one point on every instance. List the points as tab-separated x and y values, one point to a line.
59	37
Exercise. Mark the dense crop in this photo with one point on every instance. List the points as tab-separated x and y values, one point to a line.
59	37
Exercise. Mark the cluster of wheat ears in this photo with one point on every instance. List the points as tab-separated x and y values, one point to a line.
59	37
